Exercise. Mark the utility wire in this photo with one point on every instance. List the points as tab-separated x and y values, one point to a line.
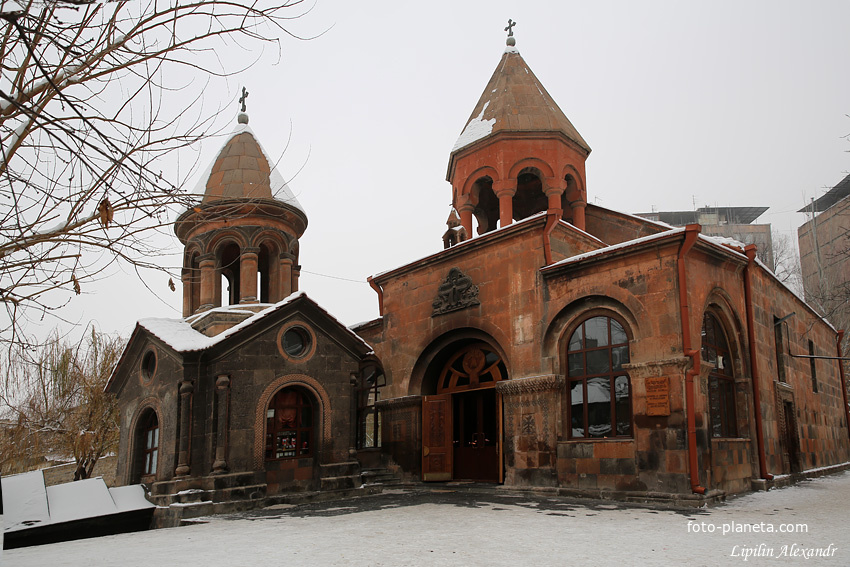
333	277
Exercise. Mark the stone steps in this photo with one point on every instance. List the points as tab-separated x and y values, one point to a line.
380	476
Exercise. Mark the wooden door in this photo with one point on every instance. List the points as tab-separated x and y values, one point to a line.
437	437
792	444
476	436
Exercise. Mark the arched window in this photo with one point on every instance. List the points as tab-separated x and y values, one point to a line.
600	392
289	425
150	437
721	381
368	418
472	367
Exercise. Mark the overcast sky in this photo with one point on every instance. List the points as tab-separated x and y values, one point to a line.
683	103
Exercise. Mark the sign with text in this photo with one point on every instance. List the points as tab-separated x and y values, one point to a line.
658	395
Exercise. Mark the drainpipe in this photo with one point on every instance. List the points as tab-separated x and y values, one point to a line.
843	381
691	234
380	293
750	250
551	221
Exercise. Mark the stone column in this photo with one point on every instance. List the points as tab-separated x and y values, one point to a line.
505	191
222	398
296	273
466	218
207	264
188	288
578	213
186	391
248	275
285	278
554	189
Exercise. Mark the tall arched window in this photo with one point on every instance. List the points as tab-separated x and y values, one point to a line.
150	443
289	425
721	380
600	391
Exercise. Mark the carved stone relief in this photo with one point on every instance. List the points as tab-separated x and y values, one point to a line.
456	292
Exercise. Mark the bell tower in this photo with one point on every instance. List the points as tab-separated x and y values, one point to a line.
518	154
241	240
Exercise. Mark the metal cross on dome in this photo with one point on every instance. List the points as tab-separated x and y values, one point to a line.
243	98
510	28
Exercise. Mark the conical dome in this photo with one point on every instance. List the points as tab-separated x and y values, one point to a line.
515	101
243	170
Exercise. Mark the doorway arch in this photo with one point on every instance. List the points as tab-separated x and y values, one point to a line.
462	420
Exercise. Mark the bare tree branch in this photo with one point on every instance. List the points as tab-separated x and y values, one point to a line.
87	132
53	404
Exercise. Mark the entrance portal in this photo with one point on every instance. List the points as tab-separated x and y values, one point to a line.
462	424
475	436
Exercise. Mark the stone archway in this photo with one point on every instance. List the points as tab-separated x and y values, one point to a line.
462	422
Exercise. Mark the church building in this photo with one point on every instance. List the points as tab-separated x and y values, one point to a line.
550	343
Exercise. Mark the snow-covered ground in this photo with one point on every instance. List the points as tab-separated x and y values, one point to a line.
459	527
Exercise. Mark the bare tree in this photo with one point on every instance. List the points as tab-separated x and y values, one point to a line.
786	263
54	403
96	97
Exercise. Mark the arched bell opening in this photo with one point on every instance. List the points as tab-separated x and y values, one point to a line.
529	198
229	256
268	273
486	213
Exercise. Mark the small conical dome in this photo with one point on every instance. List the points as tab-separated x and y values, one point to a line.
515	101
242	170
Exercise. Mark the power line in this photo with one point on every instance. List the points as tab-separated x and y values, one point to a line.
333	277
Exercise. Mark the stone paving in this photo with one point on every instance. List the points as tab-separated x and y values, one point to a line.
463	525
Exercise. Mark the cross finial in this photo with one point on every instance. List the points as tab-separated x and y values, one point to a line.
510	28
243	98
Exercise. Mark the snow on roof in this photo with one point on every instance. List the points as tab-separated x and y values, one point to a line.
71	501
28	503
24	501
179	334
725	240
476	129
279	188
127	498
614	247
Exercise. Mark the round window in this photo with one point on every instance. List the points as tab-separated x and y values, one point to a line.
148	365
296	341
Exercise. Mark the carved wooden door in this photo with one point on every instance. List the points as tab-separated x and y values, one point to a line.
437	437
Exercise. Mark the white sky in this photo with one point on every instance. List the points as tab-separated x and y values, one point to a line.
697	103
